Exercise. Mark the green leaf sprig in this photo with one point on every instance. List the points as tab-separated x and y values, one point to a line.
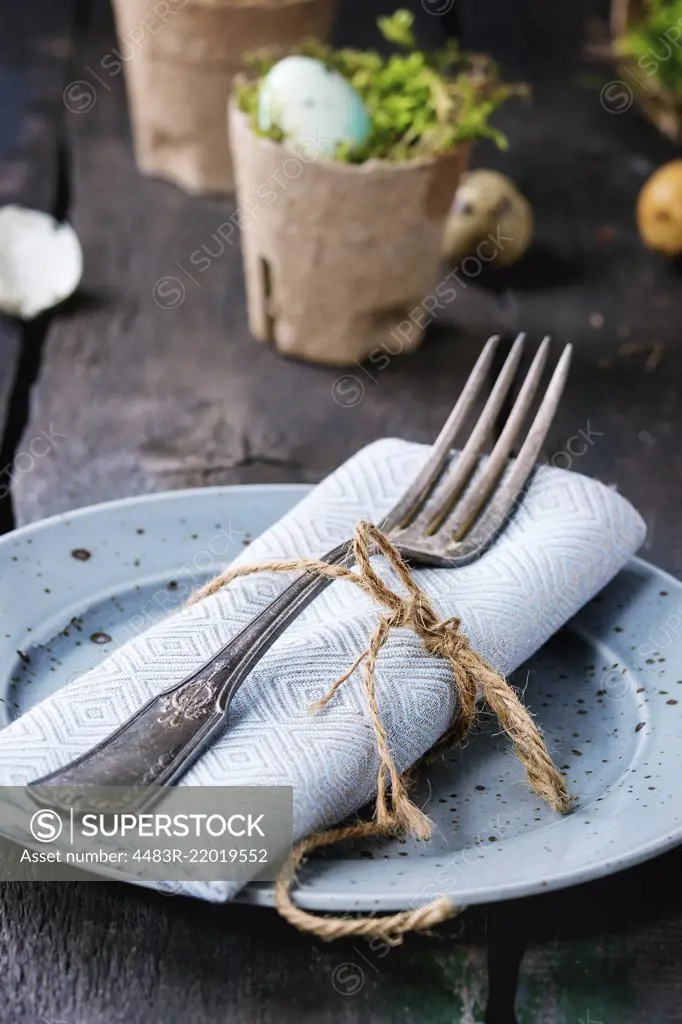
419	104
656	45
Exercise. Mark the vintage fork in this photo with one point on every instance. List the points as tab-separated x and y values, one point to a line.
448	517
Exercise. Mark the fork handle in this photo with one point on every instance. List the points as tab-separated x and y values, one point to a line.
164	738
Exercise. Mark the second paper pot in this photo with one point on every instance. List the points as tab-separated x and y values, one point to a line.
179	58
339	258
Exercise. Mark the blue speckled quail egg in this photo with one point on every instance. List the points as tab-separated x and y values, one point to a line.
313	105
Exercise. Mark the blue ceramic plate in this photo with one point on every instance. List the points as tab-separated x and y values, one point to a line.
607	691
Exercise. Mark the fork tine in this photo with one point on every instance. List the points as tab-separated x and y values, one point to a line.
457	522
489	524
412	500
455	479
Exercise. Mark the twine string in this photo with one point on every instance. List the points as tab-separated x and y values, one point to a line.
394	811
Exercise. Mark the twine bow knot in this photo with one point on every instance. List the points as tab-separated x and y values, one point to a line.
394	812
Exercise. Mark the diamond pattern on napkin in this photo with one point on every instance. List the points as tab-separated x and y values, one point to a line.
570	536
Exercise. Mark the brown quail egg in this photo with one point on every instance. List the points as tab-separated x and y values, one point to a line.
659	209
489	212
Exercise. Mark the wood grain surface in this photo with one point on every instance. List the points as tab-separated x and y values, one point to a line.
35	45
153	379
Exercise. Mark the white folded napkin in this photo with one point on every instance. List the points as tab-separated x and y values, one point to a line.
570	536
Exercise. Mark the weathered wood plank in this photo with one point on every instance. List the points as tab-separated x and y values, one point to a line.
110	954
608	951
35	44
9	352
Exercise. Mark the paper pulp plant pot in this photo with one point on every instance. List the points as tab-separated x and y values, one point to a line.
179	58
339	258
637	80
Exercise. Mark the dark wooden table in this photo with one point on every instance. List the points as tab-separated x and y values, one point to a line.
150	398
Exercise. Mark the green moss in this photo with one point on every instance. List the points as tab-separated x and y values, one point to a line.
419	104
656	44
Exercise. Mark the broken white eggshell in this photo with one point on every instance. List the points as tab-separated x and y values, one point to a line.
41	261
488	207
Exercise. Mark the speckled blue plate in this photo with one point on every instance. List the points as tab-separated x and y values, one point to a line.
607	691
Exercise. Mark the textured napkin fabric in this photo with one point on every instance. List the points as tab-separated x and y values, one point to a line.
570	536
